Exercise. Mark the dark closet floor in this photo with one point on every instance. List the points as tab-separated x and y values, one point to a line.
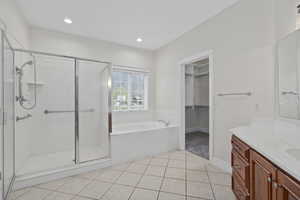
197	143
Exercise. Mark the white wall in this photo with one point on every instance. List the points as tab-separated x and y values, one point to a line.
242	39
66	44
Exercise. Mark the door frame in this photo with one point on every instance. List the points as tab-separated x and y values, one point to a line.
200	56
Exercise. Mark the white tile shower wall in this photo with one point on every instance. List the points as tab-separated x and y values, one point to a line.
243	46
67	44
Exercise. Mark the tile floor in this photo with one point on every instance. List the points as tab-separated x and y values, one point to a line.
178	175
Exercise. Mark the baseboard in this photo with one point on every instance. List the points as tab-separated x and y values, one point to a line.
30	180
221	164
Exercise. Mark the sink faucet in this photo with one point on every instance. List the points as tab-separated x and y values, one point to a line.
167	123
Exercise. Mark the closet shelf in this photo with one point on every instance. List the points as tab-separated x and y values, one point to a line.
37	83
199	106
201	74
197	74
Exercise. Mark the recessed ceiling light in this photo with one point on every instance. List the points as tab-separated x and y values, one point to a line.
139	40
67	20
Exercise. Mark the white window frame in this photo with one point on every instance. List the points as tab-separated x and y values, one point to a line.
146	74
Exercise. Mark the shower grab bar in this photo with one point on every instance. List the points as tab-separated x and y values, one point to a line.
67	111
235	94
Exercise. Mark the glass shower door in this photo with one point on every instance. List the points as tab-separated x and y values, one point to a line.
93	110
7	116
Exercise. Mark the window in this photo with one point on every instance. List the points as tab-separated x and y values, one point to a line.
129	90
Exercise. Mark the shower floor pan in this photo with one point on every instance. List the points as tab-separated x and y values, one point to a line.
44	162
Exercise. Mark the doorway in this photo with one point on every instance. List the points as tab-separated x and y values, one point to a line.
197	105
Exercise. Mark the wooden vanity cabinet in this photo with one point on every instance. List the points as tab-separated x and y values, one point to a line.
288	189
256	178
262	175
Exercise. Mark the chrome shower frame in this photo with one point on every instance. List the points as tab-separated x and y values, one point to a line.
3	116
76	100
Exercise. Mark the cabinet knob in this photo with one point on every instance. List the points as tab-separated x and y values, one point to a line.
276	185
269	179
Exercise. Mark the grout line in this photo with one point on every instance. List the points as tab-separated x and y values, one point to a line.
210	183
113	184
29	188
142	175
164	176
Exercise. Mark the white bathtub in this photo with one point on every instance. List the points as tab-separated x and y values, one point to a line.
136	140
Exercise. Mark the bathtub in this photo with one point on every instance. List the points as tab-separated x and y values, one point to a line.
136	140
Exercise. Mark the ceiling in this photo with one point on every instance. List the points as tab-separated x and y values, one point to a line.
157	22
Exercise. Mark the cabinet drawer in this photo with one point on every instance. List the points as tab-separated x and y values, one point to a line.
240	147
238	188
241	168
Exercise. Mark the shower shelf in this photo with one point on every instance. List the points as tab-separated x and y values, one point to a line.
37	83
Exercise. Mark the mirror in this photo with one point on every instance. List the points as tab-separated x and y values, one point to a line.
288	71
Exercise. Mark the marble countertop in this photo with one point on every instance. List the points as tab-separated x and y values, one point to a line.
274	139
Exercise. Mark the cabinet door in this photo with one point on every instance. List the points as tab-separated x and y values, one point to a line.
262	174
288	188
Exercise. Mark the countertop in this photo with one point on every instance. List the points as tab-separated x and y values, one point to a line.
272	138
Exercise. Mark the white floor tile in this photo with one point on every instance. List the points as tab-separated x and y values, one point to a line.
169	196
159	162
174	186
141	194
163	155
201	190
150	182
118	192
220	178
130	179
155	170
109	175
74	186
89	175
121	167
137	168
80	198
95	189
54	185
175	173
213	168
15	194
223	192
34	194
177	164
177	155
195	165
198	176
144	161
58	196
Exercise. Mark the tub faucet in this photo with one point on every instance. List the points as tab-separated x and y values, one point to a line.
167	123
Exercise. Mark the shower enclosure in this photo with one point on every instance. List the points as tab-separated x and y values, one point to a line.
59	118
7	96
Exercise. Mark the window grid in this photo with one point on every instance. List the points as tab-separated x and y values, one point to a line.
129	91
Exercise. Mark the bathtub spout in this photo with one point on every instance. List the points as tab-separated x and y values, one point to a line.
167	123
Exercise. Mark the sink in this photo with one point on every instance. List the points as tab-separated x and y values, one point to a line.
295	153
